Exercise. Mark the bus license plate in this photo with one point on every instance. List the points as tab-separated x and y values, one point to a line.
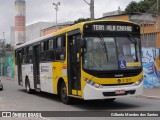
120	92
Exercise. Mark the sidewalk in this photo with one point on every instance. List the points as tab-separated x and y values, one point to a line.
152	93
6	78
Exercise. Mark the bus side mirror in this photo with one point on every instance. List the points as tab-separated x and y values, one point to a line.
80	43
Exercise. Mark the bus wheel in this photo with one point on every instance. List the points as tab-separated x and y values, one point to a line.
63	94
28	89
1	88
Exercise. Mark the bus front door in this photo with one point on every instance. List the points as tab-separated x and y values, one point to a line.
74	84
36	73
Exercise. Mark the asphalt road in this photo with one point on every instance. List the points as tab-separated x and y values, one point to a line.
14	98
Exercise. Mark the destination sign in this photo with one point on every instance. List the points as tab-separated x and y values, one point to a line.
119	28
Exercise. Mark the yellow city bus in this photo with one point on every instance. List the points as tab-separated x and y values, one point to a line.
89	60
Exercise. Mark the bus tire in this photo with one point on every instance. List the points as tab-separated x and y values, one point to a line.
63	94
28	89
1	88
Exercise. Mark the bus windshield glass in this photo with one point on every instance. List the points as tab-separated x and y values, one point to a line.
111	53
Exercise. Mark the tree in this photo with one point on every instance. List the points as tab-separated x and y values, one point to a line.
8	46
142	6
132	7
81	20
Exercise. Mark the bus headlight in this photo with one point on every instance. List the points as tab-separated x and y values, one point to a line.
96	85
138	82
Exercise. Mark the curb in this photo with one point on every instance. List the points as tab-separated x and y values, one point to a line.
7	78
149	97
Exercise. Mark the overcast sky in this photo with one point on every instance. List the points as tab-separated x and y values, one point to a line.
43	10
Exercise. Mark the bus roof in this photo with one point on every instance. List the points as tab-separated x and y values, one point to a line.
67	29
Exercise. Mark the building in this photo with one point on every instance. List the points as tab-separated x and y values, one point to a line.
12	36
150	26
33	31
20	21
117	12
53	29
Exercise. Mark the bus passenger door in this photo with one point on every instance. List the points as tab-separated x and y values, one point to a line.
36	60
74	84
19	67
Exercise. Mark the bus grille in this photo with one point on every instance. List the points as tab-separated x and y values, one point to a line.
117	84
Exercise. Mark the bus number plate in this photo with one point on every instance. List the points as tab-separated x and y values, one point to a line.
117	92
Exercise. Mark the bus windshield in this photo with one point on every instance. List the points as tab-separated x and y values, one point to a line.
111	53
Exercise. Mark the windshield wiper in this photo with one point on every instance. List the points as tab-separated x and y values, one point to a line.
131	38
104	46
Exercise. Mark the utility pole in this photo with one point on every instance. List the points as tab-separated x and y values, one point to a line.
91	4
56	8
3	49
3	37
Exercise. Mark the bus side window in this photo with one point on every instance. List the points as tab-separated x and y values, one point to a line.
42	46
24	55
43	54
15	57
63	52
19	57
29	55
46	45
58	41
50	45
50	52
60	48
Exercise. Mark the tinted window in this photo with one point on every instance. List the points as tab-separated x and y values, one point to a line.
29	55
42	46
51	44
60	48
59	41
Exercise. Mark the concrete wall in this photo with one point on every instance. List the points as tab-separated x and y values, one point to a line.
151	67
33	31
53	29
7	66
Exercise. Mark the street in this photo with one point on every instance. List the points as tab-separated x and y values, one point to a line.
14	98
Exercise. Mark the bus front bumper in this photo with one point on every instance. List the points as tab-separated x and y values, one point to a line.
92	93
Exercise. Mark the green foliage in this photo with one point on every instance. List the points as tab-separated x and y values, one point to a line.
142	6
7	66
8	45
81	20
